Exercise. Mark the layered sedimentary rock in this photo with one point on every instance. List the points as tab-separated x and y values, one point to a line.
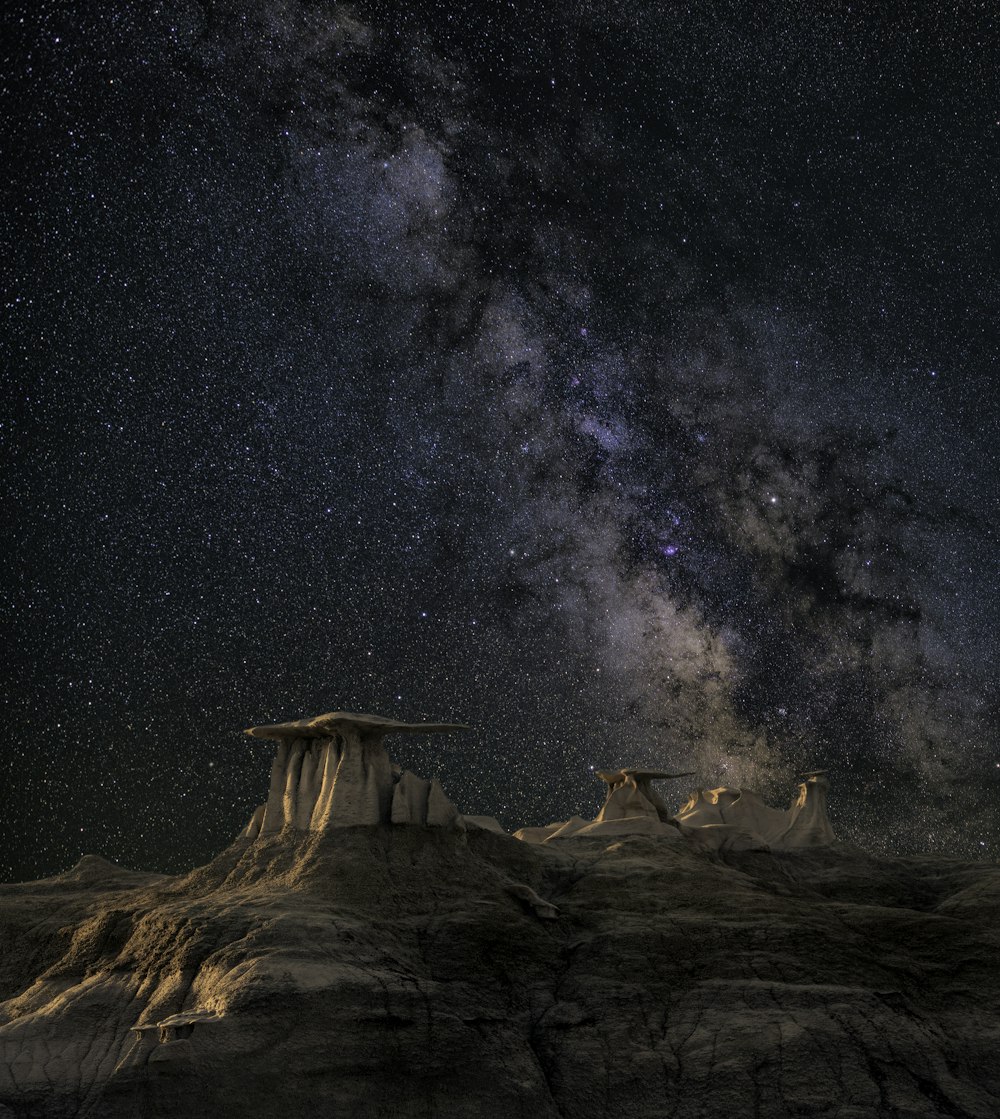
350	956
432	973
332	771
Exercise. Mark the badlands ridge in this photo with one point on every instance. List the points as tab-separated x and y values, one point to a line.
363	949
333	771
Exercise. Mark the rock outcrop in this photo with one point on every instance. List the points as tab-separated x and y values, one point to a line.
631	794
332	771
632	807
353	954
731	813
720	819
415	972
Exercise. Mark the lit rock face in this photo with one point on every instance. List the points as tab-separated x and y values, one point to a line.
415	972
808	824
332	771
632	807
720	819
742	812
630	794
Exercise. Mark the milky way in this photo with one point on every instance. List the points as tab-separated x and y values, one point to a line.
618	380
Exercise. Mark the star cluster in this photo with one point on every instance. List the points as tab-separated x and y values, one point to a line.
619	380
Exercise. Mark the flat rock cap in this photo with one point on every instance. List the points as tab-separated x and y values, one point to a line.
648	774
324	726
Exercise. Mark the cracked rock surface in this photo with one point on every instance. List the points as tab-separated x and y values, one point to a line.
443	973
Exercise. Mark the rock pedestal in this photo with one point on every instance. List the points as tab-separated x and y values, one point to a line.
631	807
332	771
631	794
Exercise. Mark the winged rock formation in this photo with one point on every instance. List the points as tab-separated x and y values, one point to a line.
631	794
332	771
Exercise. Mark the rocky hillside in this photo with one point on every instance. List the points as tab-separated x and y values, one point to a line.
452	972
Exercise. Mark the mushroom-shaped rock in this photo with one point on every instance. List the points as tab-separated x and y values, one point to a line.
632	807
630	794
333	722
722	819
332	771
178	1026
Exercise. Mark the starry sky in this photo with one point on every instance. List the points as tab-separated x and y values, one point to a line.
618	378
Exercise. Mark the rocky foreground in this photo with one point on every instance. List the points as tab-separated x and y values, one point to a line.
446	972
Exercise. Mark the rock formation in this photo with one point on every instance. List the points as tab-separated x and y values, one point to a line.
715	819
631	794
742	813
809	825
631	807
434	973
332	771
349	956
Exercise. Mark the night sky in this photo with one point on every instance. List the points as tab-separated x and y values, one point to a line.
620	379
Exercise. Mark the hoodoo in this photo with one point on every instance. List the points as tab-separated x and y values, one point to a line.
406	970
803	824
332	771
721	819
631	806
631	794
